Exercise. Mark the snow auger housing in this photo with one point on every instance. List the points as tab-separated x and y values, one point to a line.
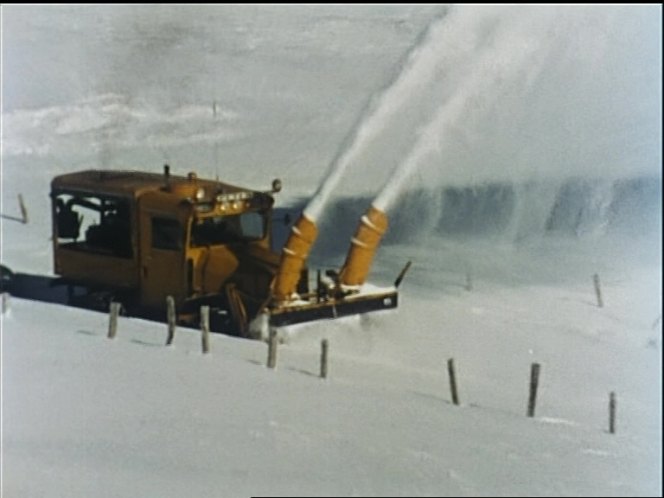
139	237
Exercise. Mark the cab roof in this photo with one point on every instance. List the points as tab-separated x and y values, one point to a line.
134	183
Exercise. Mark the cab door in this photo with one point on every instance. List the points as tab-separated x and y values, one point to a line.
162	254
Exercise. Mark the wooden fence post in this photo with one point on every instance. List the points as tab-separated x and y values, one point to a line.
113	319
205	329
170	313
534	380
402	274
272	349
323	358
5	302
612	412
24	211
598	291
453	384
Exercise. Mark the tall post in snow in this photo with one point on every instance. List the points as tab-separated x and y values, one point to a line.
205	329
534	381
323	358
272	349
453	384
598	290
170	314
24	210
114	311
612	412
5	302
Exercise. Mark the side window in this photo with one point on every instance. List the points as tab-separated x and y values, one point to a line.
166	234
93	223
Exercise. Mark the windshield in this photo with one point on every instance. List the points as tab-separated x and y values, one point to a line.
227	229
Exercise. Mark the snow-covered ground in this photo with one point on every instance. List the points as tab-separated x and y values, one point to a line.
87	416
550	179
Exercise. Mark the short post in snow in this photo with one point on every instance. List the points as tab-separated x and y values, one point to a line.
453	384
612	412
113	319
170	314
324	348
5	302
205	329
598	291
534	380
402	274
24	211
272	349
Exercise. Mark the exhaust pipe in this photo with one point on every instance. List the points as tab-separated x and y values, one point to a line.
167	177
363	247
295	253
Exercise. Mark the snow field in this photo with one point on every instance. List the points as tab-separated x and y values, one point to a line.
87	415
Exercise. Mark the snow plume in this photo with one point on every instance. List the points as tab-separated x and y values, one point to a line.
545	93
521	141
506	55
447	41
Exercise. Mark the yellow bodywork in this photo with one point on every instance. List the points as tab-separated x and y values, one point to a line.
363	247
293	258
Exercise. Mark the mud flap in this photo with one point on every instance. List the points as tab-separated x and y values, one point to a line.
238	310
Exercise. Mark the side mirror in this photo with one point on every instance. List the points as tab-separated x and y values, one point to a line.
276	185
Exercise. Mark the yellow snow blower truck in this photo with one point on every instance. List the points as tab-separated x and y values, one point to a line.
139	237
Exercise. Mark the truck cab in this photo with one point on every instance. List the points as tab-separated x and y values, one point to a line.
142	237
